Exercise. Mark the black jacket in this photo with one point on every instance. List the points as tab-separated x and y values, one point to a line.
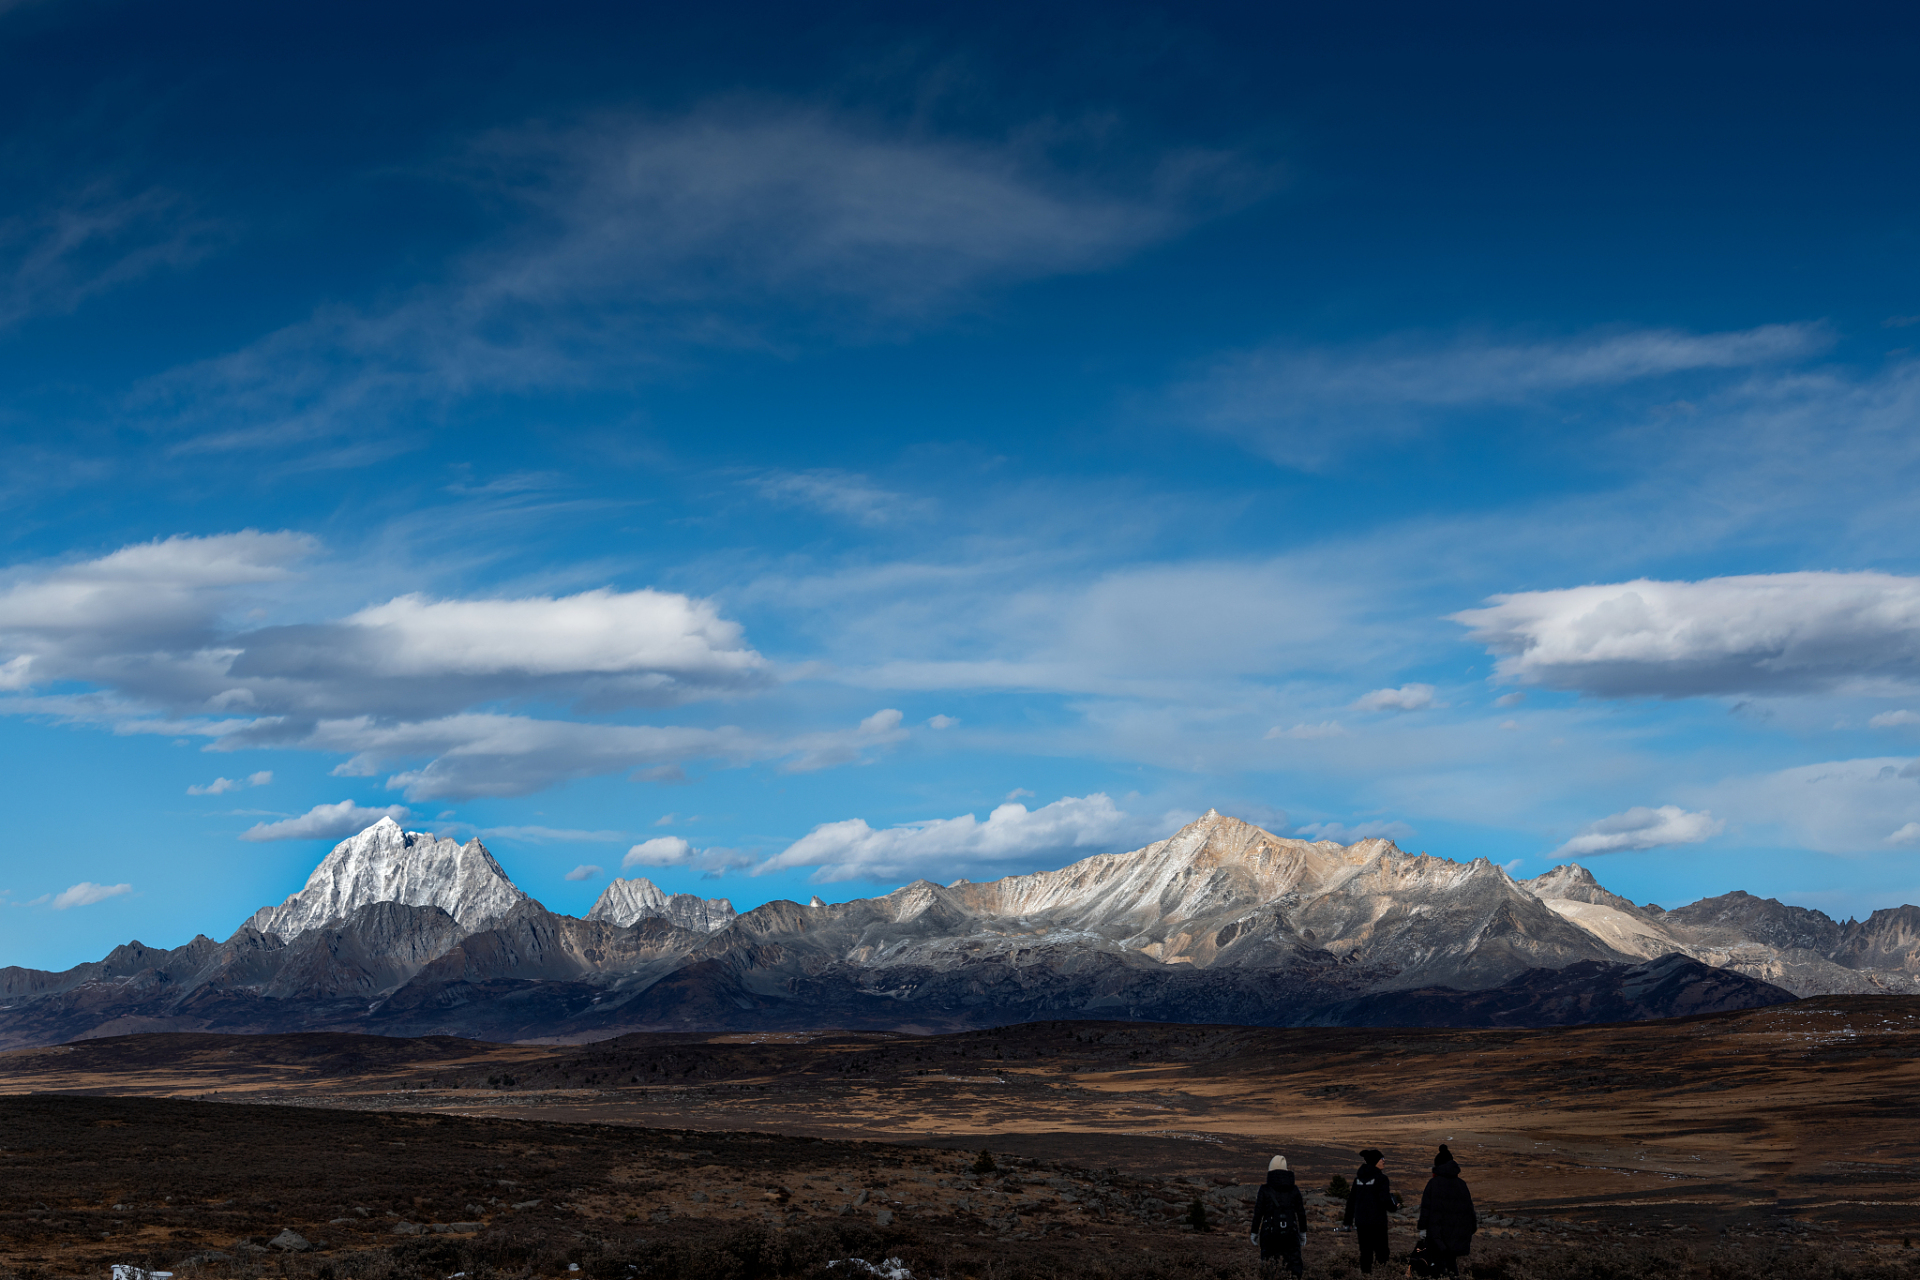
1370	1200
1280	1195
1446	1210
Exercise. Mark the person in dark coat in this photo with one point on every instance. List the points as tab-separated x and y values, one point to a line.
1280	1218
1369	1201
1447	1219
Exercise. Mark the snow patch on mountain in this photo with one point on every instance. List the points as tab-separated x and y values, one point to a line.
386	864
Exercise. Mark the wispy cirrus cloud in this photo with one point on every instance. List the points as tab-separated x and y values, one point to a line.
817	751
1307	407
845	494
325	822
488	754
1309	732
631	241
1125	630
85	894
1848	807
92	241
552	835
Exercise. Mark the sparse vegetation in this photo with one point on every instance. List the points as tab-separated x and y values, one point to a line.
1128	1196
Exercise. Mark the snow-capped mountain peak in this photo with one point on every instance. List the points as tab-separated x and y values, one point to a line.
625	902
386	864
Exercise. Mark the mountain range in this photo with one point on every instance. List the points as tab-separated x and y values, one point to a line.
403	933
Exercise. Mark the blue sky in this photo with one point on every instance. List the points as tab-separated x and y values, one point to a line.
786	451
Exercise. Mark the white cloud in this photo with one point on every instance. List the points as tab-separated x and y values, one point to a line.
585	871
672	851
1325	729
1757	634
1509	700
942	722
1010	837
1511	726
660	635
141	618
325	822
661	851
414	656
1306	408
1408	697
1909	834
220	786
85	894
1642	828
393	685
145	622
1893	719
1341	833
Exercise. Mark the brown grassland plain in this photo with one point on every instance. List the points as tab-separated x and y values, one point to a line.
1767	1142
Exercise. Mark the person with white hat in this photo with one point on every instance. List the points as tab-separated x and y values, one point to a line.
1279	1218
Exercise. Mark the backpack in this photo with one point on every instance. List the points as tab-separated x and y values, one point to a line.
1426	1261
1278	1223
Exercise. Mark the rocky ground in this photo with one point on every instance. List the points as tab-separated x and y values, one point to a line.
1720	1146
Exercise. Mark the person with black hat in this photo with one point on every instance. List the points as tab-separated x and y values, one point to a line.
1447	1218
1369	1201
1279	1218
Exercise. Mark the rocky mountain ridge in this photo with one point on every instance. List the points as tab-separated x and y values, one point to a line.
627	901
401	933
1803	950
